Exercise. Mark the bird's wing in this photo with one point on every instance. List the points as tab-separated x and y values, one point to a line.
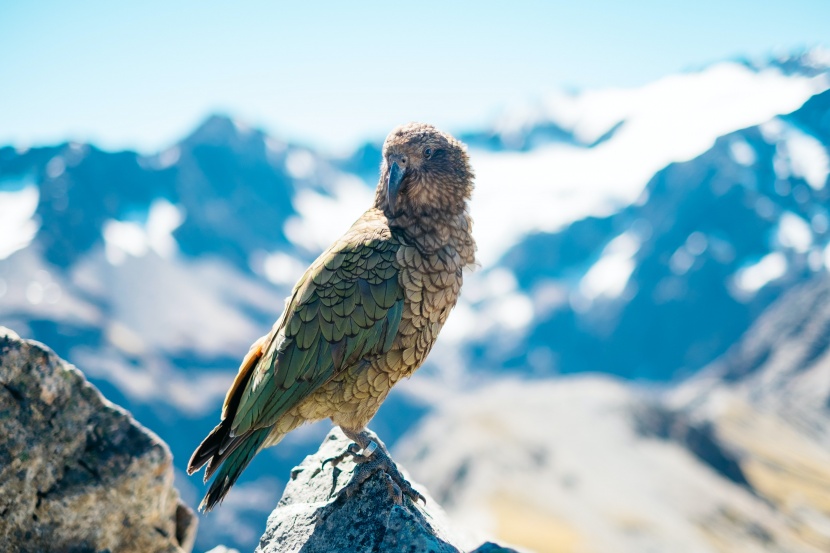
347	306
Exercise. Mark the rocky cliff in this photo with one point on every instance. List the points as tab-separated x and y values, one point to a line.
78	473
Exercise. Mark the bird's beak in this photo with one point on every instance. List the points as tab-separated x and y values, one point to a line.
393	185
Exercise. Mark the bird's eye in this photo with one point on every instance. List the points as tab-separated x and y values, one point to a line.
427	153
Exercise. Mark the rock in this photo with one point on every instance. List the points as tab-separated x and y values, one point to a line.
309	518
78	473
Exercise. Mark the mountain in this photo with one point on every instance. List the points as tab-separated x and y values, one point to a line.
660	288
636	232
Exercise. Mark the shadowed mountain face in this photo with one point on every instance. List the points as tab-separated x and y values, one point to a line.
155	273
217	176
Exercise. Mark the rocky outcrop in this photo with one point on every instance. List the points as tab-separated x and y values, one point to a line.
310	519
78	473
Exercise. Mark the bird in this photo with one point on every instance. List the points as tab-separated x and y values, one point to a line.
364	315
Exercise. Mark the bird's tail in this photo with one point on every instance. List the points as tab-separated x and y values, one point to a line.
233	461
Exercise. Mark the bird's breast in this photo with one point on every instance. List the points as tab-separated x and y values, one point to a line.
431	285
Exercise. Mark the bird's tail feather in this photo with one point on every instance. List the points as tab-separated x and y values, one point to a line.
214	449
209	447
234	463
219	443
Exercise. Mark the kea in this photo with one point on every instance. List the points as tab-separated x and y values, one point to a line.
364	315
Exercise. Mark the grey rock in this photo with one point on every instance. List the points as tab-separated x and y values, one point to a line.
310	518
78	473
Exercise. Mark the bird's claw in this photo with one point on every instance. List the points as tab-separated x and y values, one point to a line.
337	459
372	460
401	487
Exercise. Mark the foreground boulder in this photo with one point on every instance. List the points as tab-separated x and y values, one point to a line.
310	519
78	473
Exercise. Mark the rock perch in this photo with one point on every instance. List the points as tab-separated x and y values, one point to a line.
78	473
308	518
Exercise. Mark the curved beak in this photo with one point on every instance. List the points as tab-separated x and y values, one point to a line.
393	185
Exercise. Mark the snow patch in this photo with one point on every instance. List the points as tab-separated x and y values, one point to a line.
742	152
300	164
42	290
207	306
18	226
609	275
818	57
322	218
282	269
31	286
797	154
808	158
513	311
681	261
123	238
163	219
794	232
753	278
491	300
128	238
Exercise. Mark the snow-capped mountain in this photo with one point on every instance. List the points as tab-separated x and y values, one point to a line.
661	287
637	232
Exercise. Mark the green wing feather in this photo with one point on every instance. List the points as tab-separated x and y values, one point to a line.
347	306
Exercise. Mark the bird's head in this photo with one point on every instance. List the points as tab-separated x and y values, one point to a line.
423	171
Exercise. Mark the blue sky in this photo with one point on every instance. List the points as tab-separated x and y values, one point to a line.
141	75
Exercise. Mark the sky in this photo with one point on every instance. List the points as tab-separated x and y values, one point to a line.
331	74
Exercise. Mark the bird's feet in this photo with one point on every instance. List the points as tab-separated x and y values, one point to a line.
374	458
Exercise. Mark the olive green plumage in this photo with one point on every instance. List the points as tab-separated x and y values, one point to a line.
364	314
347	306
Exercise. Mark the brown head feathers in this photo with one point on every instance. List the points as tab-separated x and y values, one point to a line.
430	170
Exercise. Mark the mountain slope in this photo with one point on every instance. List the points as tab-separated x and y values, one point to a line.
592	464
